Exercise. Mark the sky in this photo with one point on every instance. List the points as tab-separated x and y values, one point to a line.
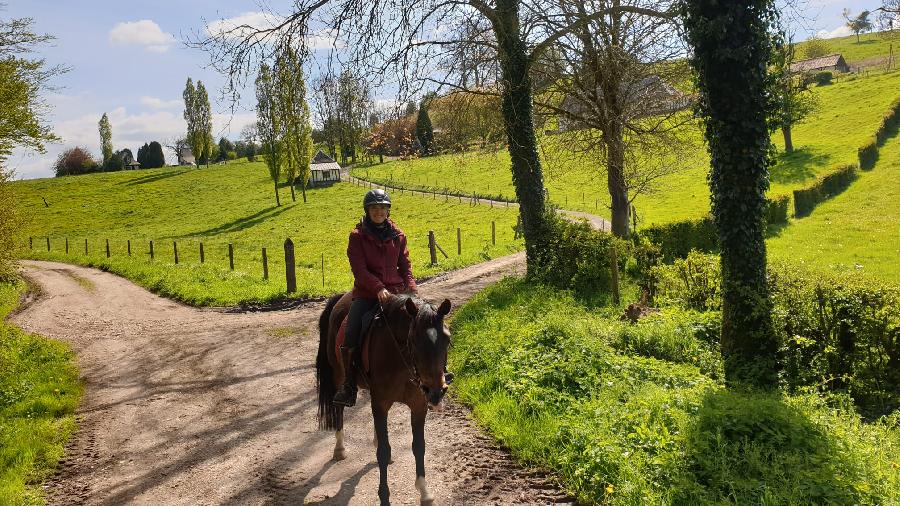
128	59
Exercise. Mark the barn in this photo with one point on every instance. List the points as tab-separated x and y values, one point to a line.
323	171
833	62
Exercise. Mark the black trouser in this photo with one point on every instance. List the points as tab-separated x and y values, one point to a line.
358	309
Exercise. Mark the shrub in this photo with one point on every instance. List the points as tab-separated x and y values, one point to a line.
694	282
824	78
868	154
889	124
777	209
11	225
833	183
578	258
75	161
677	239
646	256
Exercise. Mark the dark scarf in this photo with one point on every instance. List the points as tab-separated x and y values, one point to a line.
383	232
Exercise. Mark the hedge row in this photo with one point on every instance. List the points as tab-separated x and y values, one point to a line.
676	240
806	199
868	153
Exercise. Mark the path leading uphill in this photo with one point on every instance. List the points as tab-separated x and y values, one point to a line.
197	406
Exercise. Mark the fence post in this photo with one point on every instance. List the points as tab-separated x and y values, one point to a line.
48	244
431	247
85	247
151	250
30	242
265	264
615	274
202	258
107	248
67	245
129	247
230	256
175	249
494	233
289	267
458	241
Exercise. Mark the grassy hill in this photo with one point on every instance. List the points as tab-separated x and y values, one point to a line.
849	113
871	49
857	230
235	204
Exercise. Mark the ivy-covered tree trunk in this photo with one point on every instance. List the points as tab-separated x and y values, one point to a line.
731	51
518	120
788	142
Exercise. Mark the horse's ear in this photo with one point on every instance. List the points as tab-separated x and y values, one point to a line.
411	308
444	308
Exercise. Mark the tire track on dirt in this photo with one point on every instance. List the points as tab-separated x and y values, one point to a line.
200	406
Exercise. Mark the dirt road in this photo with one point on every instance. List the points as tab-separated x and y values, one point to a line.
197	406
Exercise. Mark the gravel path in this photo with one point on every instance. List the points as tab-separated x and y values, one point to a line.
197	406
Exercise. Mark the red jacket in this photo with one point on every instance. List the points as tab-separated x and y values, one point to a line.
378	264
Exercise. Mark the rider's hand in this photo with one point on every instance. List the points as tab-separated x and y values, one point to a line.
384	296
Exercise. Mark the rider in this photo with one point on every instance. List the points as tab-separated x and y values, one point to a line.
379	259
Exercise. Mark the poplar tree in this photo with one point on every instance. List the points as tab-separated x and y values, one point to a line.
190	117
105	138
204	122
293	110
268	124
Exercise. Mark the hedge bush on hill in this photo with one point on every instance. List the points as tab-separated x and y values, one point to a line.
777	209
806	199
889	124
579	258
838	333
868	154
824	78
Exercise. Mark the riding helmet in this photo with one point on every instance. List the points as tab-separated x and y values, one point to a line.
376	196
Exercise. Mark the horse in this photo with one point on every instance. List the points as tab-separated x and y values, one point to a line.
407	356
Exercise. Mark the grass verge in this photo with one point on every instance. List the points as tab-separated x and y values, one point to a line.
635	415
39	391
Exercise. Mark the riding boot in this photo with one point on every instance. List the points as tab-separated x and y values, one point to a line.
346	395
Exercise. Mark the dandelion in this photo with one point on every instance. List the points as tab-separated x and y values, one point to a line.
610	489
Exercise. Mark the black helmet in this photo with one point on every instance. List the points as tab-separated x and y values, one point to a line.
376	196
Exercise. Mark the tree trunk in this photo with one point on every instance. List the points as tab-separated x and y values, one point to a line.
788	143
277	197
517	109
293	198
731	68
615	176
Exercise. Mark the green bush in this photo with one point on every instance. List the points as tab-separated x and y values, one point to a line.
646	256
694	282
677	239
824	78
579	258
833	183
777	209
889	124
868	154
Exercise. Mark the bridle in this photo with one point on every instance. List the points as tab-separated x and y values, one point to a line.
410	348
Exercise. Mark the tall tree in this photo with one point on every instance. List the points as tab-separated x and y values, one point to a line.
154	157
859	23
295	118
791	98
204	123
424	130
193	134
732	49
106	147
249	135
268	125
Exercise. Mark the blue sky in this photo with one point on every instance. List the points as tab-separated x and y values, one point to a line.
128	60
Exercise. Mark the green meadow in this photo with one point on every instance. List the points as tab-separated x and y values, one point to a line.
235	204
849	113
870	46
39	391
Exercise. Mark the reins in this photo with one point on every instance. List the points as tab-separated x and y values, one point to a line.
413	372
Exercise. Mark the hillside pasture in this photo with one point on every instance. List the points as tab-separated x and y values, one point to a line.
848	115
235	204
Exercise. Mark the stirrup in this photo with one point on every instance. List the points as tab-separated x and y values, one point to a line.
346	396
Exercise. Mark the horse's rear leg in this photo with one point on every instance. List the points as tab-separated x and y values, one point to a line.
340	453
417	417
380	414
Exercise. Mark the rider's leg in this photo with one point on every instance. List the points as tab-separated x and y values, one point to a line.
346	394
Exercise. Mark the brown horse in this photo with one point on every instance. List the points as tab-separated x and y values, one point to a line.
407	359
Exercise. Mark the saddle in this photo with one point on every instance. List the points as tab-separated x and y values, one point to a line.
370	320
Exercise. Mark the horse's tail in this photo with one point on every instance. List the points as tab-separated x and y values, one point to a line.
329	415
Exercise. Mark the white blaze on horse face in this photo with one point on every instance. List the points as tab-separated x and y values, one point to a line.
432	334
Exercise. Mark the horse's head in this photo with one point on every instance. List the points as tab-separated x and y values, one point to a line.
431	340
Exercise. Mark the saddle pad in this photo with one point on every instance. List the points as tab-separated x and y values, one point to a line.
341	336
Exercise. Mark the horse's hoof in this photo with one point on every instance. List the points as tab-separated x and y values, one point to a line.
427	502
340	454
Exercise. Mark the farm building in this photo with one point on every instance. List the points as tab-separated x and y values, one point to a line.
833	62
649	96
186	156
323	170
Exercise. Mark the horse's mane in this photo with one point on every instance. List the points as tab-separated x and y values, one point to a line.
397	304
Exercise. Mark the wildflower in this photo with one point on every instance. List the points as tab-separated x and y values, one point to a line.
610	489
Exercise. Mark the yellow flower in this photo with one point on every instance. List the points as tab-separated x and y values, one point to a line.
609	489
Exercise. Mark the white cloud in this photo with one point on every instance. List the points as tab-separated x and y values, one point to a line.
143	33
841	31
246	24
158	103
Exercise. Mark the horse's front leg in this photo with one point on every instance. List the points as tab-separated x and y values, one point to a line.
417	417
380	413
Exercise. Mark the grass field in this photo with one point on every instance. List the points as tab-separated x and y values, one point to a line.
857	230
39	391
637	415
870	45
235	204
849	114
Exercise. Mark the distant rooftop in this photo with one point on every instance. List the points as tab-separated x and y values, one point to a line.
816	63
